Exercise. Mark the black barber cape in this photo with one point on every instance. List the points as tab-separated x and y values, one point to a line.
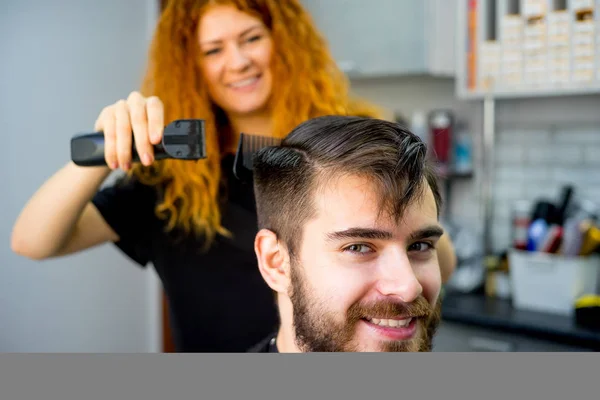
267	345
218	300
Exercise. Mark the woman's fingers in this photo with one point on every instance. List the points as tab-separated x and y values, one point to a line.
123	135
156	119
139	123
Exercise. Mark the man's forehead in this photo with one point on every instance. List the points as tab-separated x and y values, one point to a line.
351	199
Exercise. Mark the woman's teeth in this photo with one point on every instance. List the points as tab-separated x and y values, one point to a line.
394	323
245	82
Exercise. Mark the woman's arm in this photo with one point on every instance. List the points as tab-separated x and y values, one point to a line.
59	219
446	257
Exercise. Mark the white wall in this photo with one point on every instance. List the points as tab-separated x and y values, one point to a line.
62	61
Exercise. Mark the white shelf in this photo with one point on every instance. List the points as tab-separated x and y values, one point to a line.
531	92
490	54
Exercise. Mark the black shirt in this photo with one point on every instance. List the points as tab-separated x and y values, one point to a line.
218	300
267	345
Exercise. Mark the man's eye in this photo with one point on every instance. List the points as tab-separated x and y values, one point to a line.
420	247
358	249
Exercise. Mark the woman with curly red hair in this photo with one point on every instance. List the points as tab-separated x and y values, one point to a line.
256	66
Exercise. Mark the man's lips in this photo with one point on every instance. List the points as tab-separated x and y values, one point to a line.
391	322
393	329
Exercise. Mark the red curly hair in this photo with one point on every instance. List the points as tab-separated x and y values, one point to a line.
307	84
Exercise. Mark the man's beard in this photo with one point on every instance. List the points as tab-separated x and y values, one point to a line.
318	330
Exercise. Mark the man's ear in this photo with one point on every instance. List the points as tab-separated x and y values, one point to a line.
273	260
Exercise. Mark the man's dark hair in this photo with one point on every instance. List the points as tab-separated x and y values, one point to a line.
287	176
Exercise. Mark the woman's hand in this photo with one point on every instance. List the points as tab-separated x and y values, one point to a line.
138	120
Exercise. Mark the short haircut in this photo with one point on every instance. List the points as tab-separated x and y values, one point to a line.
287	176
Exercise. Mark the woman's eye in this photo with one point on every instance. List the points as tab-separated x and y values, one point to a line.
254	38
420	247
211	52
358	248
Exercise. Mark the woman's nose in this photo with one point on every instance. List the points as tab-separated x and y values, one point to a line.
236	59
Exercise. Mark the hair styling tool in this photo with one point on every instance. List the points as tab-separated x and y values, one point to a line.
248	145
183	139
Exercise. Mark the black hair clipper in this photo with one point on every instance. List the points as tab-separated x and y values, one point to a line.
183	139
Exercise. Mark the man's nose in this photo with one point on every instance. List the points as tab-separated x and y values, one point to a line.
398	278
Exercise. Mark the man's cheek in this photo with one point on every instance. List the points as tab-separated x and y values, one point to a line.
431	281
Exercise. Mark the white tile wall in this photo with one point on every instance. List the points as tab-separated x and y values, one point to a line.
541	143
535	163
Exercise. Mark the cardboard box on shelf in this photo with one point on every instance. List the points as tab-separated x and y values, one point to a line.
583	63
535	80
533	8
582	38
535	49
558	31
490	49
535	53
512	68
558	52
559	17
511	32
537	72
511	21
516	30
512	39
583	50
511	81
586	26
534	46
535	64
559	65
539	32
582	4
565	73
492	71
559	76
583	75
559	41
535	59
510	56
558	27
583	68
490	60
512	45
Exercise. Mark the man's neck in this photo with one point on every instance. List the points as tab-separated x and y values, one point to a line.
285	342
286	337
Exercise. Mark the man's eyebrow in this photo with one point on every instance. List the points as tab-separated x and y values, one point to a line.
244	32
359	233
433	231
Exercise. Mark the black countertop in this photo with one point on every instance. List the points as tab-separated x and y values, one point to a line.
498	314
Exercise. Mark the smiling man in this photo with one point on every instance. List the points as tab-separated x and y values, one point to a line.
348	212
